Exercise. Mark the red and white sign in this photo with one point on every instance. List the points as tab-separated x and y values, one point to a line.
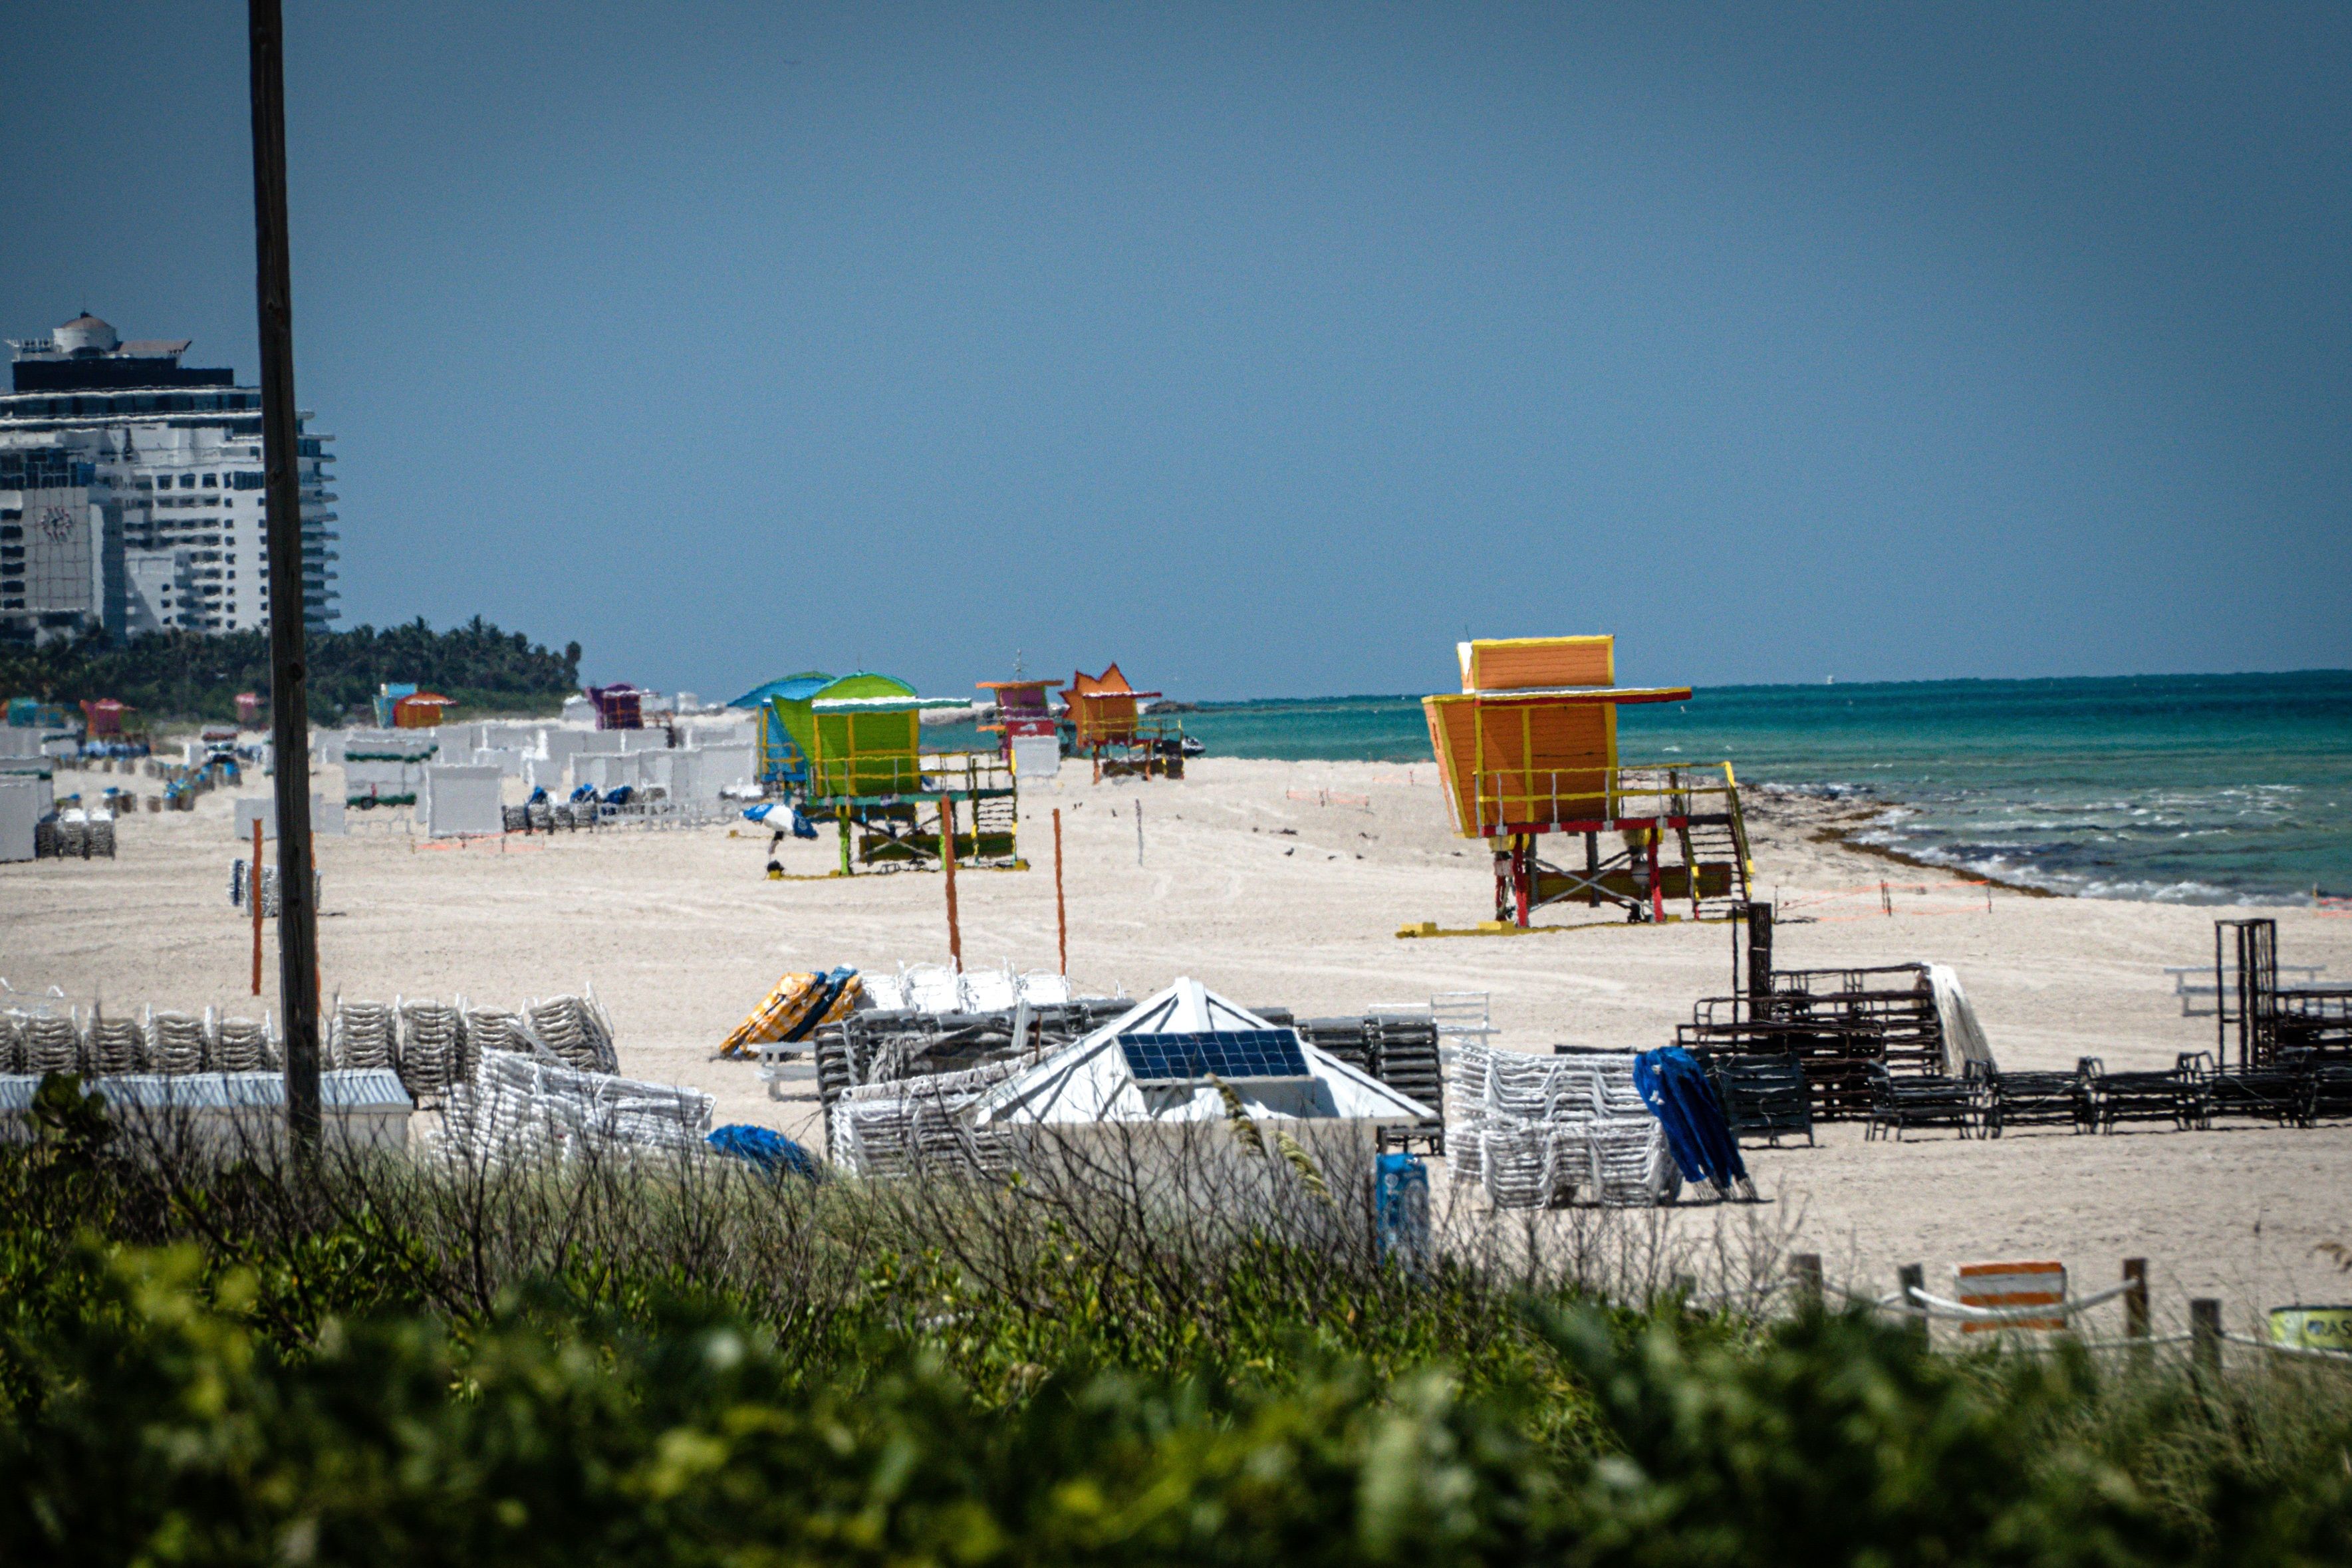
2008	1285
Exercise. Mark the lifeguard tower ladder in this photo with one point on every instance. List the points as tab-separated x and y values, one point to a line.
1529	748
868	774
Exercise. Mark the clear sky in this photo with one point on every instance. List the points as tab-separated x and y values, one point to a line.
1267	349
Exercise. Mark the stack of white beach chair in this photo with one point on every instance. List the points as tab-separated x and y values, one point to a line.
1544	1132
518	1107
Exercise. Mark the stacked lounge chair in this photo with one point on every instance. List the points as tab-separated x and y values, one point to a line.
1544	1131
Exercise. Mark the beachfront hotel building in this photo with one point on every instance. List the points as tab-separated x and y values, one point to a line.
131	493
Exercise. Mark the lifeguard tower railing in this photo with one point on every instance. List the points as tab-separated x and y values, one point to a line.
1139	748
875	800
1675	837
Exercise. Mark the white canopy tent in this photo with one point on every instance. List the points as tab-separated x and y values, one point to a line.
1094	1081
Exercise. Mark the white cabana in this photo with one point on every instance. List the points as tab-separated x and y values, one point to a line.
1137	1113
461	799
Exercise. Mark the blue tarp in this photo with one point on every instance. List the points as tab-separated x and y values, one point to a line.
770	1151
1675	1087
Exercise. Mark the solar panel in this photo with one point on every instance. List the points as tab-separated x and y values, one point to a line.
1234	1054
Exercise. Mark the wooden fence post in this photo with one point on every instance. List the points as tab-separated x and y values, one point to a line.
2205	1335
2136	1309
1805	1271
1909	1277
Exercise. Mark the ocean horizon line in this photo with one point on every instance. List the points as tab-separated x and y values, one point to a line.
1950	680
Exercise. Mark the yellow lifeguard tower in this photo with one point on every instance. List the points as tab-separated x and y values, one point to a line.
1528	747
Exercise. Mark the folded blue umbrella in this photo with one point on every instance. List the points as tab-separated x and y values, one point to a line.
764	814
770	1150
1675	1087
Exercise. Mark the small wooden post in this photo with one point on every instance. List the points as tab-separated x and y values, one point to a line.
1138	833
1657	894
1060	909
254	898
1886	900
947	864
2136	1307
1909	1277
1805	1273
2205	1335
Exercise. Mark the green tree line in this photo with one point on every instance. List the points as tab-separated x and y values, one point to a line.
187	674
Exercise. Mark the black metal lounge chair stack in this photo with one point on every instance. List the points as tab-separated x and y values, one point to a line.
1764	1097
1837	1025
1340	1038
2272	1094
2031	1099
2272	1021
2120	1097
1899	1104
1403	1047
2325	1083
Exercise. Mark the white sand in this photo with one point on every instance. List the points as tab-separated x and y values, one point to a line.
1275	898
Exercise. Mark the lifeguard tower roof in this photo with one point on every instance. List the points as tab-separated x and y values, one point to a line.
1533	732
807	683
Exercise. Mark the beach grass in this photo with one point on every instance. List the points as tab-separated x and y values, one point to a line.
687	1361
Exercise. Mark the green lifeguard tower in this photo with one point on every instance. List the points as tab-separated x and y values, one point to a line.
866	769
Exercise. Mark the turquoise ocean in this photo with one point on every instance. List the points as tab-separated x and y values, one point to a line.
2196	789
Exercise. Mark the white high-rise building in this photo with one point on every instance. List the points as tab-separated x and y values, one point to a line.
131	493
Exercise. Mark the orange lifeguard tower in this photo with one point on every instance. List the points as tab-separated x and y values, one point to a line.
1528	747
420	711
1108	724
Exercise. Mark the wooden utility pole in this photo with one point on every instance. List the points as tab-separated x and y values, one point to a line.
1060	909
289	687
946	864
253	896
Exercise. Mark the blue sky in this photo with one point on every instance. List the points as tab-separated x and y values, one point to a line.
1268	350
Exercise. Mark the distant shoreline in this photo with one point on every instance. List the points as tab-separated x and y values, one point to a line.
1843	837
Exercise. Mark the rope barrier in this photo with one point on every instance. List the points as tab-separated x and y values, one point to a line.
1747	1293
1914	1303
1937	1307
2342	1358
2017	1347
1871	890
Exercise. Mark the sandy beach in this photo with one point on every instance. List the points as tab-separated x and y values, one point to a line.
1287	883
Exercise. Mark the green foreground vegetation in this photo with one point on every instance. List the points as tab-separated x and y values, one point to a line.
185	675
405	1363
